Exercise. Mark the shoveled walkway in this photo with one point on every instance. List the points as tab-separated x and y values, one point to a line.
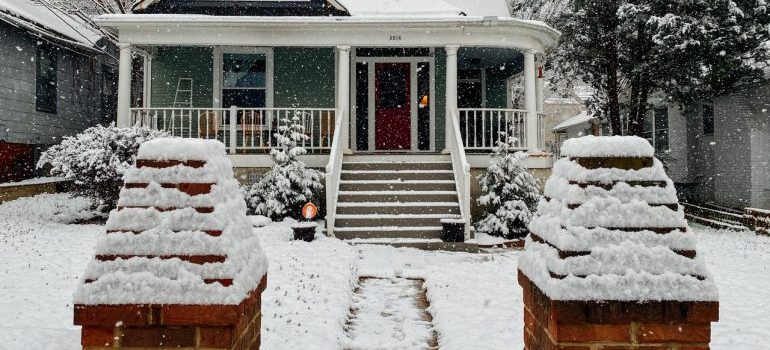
390	314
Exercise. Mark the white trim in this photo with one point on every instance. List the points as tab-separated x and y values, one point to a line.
218	78
199	30
147	79
413	60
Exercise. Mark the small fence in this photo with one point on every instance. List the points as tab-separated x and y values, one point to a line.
732	219
482	128
242	130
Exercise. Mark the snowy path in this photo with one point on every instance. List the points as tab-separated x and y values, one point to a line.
390	314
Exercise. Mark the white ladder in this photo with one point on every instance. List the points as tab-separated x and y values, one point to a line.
181	121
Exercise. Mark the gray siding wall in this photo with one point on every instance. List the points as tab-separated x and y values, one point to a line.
732	150
759	106
79	87
677	144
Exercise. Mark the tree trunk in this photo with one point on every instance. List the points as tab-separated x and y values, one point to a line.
613	90
636	123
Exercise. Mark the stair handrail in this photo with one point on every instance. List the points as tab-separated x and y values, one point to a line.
461	168
333	170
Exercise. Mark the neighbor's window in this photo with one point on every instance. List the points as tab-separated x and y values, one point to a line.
244	80
656	129
708	118
46	89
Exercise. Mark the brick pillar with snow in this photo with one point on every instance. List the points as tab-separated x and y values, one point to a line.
610	262
179	265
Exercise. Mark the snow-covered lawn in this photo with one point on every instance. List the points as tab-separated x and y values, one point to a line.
474	299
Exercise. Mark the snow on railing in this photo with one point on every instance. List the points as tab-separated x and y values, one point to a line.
480	128
462	170
242	130
334	169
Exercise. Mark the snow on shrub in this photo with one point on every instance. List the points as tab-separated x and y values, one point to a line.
283	190
96	159
509	192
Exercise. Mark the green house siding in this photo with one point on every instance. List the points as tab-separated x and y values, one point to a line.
304	77
172	63
440	98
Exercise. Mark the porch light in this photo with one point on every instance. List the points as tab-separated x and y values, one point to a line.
424	101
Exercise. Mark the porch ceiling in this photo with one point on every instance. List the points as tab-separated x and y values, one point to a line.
201	30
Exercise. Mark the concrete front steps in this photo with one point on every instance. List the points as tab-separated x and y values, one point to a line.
395	196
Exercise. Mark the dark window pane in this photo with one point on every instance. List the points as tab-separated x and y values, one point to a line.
423	106
362	106
243	70
393	52
469	74
46	89
254	98
392	85
661	118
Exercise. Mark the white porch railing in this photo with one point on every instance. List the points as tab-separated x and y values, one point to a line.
334	170
242	130
480	128
462	170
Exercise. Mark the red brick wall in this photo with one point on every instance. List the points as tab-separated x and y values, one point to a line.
614	325
234	327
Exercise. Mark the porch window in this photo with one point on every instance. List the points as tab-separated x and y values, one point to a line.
244	80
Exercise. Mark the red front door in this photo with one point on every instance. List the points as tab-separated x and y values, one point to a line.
393	112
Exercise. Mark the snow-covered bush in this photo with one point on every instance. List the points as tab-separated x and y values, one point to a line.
283	190
96	159
509	192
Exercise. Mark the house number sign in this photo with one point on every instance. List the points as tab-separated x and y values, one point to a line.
394	37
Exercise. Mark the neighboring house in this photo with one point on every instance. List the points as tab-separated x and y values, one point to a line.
393	97
55	80
721	150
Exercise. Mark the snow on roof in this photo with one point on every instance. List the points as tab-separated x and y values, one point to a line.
157	229
497	8
581	118
49	21
422	8
405	8
607	146
626	236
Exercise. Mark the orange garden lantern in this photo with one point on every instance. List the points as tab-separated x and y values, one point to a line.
309	211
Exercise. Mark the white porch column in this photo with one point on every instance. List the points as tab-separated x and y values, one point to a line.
451	91
124	86
530	100
343	92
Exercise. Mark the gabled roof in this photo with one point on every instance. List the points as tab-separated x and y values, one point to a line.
579	119
49	22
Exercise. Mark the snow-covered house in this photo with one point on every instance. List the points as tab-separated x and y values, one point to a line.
721	149
55	80
401	99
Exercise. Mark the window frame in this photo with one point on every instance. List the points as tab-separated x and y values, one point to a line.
219	83
53	59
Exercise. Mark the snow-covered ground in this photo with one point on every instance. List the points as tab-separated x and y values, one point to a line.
475	300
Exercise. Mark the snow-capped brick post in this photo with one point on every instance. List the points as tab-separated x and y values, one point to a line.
178	265
610	262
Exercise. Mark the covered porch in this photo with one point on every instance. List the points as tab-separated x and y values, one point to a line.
236	79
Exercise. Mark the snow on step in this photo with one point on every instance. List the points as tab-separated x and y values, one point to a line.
155	242
626	243
397	204
389	314
388	228
384	193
